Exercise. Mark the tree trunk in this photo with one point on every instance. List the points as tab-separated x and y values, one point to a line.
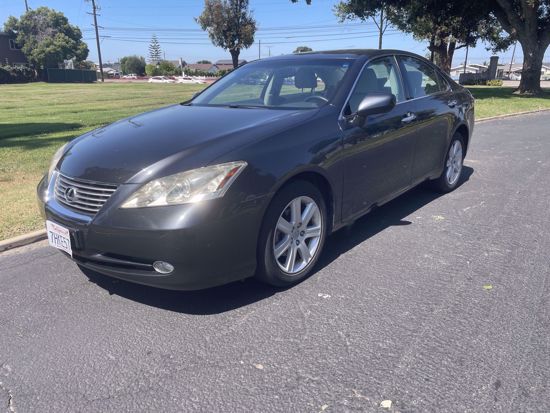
443	54
525	20
431	48
235	57
533	55
381	29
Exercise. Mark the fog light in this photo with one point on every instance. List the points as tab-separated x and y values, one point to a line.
163	267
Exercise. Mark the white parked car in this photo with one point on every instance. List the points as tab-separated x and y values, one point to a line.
161	79
189	80
130	76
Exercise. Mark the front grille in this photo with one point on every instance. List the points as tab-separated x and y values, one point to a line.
82	196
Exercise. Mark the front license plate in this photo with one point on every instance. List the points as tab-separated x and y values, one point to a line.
59	237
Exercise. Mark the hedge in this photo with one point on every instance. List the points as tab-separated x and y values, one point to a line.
16	74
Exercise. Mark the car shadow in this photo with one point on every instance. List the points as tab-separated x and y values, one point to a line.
242	293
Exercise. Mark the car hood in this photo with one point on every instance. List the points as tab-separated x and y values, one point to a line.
169	140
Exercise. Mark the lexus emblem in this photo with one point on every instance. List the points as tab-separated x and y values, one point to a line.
70	194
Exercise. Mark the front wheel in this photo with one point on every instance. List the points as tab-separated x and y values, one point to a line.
454	160
293	234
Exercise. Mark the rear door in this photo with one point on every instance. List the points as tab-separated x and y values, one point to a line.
379	153
434	109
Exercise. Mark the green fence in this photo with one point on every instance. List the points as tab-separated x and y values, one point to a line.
71	76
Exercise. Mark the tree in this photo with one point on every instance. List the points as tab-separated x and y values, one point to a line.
204	62
167	68
229	24
377	11
446	25
47	38
133	64
303	49
155	52
529	22
152	70
85	65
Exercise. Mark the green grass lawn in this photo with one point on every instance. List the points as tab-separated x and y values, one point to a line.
36	119
494	101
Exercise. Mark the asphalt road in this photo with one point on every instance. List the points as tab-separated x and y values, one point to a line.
400	309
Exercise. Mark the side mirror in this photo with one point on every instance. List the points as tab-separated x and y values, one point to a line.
374	104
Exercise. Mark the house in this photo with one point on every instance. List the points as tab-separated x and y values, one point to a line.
213	69
229	62
111	65
505	71
218	67
470	68
110	72
203	67
225	65
477	74
10	52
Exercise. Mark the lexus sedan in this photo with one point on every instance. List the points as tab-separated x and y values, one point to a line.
250	176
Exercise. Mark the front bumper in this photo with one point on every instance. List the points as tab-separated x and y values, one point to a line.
209	243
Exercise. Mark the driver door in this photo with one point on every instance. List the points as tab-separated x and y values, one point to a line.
379	153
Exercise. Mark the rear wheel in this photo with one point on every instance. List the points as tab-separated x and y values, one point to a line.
293	234
450	177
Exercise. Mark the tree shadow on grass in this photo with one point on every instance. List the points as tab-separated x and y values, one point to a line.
481	93
27	135
15	130
239	294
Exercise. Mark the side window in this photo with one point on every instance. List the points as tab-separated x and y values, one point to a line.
379	76
421	78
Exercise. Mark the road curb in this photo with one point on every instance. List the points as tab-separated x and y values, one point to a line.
511	115
22	240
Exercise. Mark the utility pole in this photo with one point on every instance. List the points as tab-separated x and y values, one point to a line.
259	49
94	12
26	5
269	48
512	61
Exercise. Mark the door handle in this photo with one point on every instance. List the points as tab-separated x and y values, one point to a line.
452	103
409	118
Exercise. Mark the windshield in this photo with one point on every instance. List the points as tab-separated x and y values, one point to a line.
277	84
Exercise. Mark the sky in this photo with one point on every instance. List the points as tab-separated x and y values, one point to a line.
126	27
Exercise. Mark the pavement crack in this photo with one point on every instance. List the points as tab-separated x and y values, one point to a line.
10	406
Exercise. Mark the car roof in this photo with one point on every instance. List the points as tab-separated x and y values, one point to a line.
344	54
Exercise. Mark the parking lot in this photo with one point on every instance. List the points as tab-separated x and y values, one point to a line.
435	303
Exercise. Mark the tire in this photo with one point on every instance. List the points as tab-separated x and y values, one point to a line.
452	170
293	236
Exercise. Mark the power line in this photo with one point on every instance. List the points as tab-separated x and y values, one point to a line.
204	37
260	30
183	43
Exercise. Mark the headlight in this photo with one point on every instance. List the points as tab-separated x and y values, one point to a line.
55	160
187	187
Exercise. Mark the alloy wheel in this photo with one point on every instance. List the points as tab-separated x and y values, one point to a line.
454	163
297	235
